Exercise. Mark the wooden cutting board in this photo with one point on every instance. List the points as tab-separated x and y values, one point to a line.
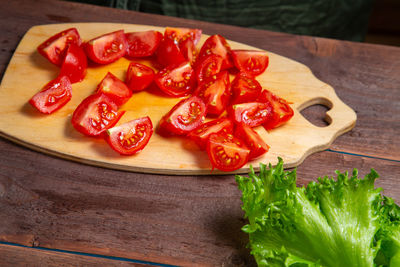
53	134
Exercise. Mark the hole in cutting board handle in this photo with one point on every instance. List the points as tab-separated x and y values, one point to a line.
315	111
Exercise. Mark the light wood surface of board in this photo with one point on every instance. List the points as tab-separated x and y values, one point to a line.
53	134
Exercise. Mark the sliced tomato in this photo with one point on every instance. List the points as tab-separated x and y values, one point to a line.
139	76
281	110
114	88
251	62
251	113
142	44
75	63
181	34
226	152
201	134
184	117
55	47
107	48
131	137
95	114
245	89
168	53
217	45
176	80
53	95
215	93
208	67
189	51
252	139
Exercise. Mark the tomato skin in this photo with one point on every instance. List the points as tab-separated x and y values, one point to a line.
251	62
215	93
251	113
176	80
75	63
142	44
54	48
245	89
53	95
184	117
201	134
208	67
107	48
168	53
281	110
95	114
226	152
131	137
114	88
179	35
217	45
139	76
252	139
189	51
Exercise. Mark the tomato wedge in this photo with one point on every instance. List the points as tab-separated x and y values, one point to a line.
226	152
107	48
217	45
114	88
245	89
53	95
139	76
179	35
201	134
131	137
281	110
75	64
95	114
168	53
251	62
176	80
215	93
252	139
142	44
189	51
54	48
251	113
184	117
208	67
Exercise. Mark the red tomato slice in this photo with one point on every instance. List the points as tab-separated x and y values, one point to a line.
226	152
176	80
107	48
75	64
181	34
95	114
188	50
252	113
184	117
201	134
252	139
114	88
53	95
131	137
215	93
251	62
168	53
54	48
142	44
217	45
245	89
281	111
139	76
208	67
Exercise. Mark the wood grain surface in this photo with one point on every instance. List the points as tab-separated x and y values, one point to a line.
184	220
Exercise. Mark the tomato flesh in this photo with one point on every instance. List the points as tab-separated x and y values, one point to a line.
252	139
252	113
107	48
114	88
176	80
208	67
217	45
179	35
281	110
131	137
226	152
189	51
53	95
251	62
142	44
139	76
55	47
95	114
245	89
75	64
201	134
168	53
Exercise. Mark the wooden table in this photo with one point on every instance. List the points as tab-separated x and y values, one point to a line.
74	214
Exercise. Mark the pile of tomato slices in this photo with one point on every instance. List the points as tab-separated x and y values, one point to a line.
222	101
